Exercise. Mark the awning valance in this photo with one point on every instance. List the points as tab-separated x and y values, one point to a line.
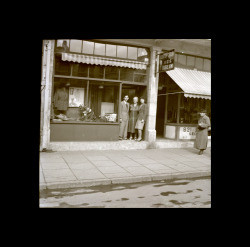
195	84
103	61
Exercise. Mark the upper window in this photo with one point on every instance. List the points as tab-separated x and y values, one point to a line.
122	51
75	45
132	52
111	50
88	47
99	49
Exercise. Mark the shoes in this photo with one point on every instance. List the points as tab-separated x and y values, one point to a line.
201	152
139	140
126	138
135	139
120	138
130	138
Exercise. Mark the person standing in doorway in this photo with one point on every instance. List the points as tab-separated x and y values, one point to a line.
141	119
124	116
202	132
134	109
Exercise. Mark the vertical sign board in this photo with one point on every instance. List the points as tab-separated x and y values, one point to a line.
167	60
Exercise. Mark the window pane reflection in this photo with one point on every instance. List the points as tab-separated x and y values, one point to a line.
75	45
122	51
99	49
96	71
111	50
88	47
132	52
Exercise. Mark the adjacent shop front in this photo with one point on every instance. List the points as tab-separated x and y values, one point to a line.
184	92
89	81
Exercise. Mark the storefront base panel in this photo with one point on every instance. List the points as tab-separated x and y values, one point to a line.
83	132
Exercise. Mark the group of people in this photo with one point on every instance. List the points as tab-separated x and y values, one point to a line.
132	118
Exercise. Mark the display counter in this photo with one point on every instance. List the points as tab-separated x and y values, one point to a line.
83	131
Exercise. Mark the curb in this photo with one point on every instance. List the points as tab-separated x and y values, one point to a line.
137	179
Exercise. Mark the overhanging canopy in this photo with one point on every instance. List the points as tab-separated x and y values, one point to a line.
103	61
195	84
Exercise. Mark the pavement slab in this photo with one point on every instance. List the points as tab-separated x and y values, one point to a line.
64	169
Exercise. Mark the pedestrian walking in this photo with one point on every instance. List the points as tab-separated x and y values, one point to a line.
124	116
141	118
134	110
202	132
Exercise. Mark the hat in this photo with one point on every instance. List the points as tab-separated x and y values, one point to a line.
203	111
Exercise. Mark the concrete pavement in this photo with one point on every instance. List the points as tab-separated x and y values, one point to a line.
69	169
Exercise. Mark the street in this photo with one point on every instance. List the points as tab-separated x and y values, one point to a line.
184	193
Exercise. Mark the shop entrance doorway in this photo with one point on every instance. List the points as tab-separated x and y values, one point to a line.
160	114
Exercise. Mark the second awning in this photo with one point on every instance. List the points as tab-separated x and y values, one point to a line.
103	61
195	84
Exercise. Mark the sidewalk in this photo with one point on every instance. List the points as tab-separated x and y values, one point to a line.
68	169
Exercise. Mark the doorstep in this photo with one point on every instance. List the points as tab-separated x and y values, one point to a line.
120	145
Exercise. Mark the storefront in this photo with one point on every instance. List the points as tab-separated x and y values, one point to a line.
89	81
184	92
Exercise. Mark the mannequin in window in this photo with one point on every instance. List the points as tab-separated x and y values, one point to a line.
61	100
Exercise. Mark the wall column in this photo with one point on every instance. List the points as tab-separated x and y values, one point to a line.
46	89
152	93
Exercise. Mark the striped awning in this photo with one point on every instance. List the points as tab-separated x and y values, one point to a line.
195	84
103	61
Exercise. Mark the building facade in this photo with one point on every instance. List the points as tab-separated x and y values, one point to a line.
84	81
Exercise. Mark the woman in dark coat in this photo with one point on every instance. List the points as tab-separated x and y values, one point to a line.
141	119
201	132
134	110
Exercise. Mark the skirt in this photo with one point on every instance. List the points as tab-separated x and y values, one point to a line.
139	125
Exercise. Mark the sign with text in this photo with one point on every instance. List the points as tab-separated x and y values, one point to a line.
167	60
187	133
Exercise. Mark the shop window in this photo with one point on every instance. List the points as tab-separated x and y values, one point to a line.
140	75
104	101
67	95
207	65
96	71
99	49
111	50
75	45
61	67
79	69
172	108
126	74
199	63
111	73
122	51
189	110
132	52
88	47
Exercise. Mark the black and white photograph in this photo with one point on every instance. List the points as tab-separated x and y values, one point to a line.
125	123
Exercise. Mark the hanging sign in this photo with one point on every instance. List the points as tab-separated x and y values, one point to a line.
167	60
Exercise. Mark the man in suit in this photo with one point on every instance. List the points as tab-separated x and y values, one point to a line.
124	116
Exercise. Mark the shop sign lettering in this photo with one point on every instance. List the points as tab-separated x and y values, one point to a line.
187	132
167	60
